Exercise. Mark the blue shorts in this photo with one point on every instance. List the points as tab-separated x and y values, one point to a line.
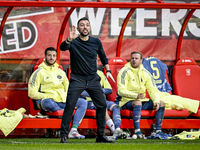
92	106
145	105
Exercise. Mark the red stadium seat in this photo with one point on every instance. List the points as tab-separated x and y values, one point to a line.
115	64
186	79
34	110
176	114
197	115
145	114
32	104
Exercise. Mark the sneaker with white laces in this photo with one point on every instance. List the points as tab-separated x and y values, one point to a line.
153	134
75	135
120	134
138	135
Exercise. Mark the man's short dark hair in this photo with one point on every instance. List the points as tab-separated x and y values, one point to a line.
84	18
137	52
50	49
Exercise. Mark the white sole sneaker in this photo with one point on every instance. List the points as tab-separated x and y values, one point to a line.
75	135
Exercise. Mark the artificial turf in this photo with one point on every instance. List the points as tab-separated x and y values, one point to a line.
89	144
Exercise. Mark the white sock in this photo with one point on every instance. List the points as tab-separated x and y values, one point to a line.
73	129
137	130
117	129
111	125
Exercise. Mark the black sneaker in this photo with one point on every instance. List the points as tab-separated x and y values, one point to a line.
103	139
63	140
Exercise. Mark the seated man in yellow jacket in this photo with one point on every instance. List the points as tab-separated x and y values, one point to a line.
132	82
48	86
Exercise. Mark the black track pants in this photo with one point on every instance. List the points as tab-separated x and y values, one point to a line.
76	87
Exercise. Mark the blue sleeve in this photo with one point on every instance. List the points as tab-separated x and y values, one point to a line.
107	91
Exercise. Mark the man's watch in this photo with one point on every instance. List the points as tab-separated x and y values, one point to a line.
108	71
68	41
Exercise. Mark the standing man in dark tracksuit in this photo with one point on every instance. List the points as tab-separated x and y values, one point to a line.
83	55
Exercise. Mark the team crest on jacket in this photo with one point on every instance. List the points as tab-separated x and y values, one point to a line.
59	77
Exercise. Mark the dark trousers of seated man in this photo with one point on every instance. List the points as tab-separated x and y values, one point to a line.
76	86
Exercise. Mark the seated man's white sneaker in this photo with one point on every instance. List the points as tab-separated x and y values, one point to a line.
75	135
138	135
120	134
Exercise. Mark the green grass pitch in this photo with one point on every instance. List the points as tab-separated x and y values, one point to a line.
89	144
